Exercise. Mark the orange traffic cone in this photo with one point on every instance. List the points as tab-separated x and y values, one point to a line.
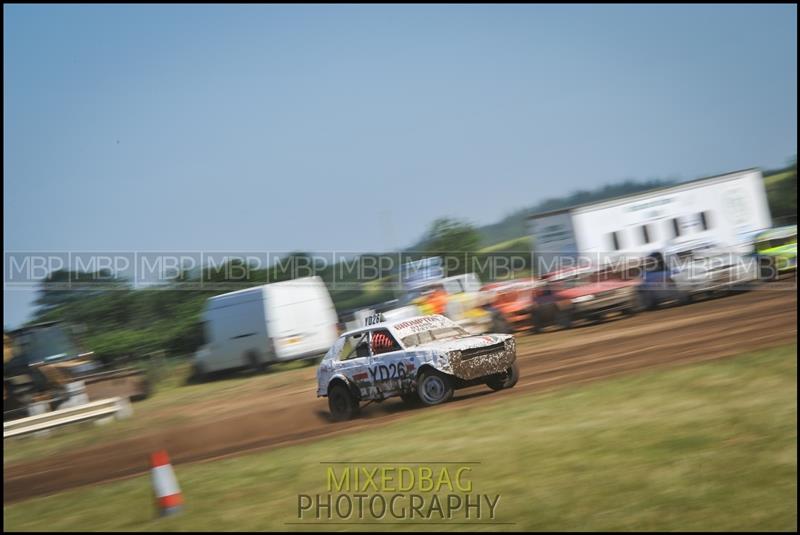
165	486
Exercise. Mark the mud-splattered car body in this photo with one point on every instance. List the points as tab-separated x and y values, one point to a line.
424	344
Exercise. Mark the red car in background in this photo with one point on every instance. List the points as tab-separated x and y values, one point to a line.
563	297
584	293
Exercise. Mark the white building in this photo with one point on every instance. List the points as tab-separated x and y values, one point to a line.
724	209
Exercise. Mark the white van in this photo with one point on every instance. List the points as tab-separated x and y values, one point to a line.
266	324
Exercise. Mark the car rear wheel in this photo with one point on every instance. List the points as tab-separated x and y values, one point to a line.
685	298
564	319
634	306
434	388
506	380
768	268
536	322
341	403
648	299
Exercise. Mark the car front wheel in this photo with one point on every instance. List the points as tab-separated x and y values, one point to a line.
434	388
506	380
499	323
342	404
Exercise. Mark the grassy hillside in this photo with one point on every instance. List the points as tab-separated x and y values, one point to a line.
703	447
782	194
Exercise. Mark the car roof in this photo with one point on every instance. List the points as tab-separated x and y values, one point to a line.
351	332
391	324
778	232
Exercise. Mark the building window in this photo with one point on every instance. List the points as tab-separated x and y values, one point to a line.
705	220
645	234
615	243
676	227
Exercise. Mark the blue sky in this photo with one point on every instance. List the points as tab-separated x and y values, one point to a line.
264	127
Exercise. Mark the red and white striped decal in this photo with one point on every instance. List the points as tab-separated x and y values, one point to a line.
165	485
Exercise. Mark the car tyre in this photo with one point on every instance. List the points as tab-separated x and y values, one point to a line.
536	322
341	403
434	388
768	269
564	319
499	323
507	380
649	299
634	306
685	298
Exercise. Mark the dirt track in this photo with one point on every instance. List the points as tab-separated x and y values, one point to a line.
701	331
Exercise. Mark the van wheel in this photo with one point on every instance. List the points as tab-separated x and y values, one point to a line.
434	388
256	363
506	380
198	375
341	403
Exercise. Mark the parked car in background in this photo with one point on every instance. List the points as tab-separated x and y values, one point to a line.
266	324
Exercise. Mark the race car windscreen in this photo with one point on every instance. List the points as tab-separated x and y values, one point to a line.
434	335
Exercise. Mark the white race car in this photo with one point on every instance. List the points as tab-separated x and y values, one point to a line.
422	358
703	268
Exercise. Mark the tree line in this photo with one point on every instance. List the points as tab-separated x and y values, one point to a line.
122	321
